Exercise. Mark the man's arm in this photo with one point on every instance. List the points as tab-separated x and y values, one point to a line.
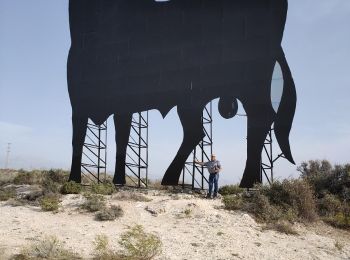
200	163
219	166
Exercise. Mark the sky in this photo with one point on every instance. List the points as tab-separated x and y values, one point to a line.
35	112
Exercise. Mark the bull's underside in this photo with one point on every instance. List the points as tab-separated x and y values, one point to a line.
129	56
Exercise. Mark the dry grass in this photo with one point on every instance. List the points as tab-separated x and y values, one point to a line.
47	248
109	214
131	196
93	202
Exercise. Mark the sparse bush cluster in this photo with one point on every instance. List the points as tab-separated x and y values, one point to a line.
103	188
322	191
290	200
50	202
111	213
71	187
97	203
48	248
93	202
230	190
136	245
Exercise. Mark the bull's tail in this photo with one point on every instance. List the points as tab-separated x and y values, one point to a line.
286	110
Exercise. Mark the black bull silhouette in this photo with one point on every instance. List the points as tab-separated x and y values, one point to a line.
135	55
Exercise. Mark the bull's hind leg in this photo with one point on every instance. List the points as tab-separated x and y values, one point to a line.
79	132
191	120
260	118
122	124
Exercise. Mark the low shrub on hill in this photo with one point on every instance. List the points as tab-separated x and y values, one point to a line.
7	193
47	248
136	245
103	188
230	189
28	177
111	213
71	187
50	202
93	202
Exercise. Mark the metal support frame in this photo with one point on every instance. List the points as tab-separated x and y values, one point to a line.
267	158
202	152
94	158
137	152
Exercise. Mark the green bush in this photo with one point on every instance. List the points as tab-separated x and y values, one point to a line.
259	206
293	196
48	248
110	213
103	188
230	190
325	178
50	202
329	205
93	202
138	244
71	187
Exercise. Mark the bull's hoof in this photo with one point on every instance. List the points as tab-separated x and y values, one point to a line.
119	182
167	182
76	179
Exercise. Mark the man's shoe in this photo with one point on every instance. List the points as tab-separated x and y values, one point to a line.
208	196
215	196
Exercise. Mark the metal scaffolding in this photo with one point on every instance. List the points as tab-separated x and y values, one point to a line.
267	158
192	172
136	164
93	163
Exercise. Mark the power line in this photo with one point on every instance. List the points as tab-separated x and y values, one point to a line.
8	150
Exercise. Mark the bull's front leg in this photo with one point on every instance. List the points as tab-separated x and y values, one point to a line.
79	131
260	118
191	120
122	124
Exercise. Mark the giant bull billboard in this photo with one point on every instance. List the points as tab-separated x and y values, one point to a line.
128	56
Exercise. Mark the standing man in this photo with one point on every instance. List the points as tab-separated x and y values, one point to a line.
214	167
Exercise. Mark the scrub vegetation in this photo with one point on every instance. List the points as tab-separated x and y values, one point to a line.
322	192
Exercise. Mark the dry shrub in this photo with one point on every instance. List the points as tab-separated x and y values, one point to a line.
230	190
7	176
293	196
28	177
232	202
282	227
102	250
7	193
71	187
138	244
103	188
110	213
50	202
48	248
93	202
282	202
133	196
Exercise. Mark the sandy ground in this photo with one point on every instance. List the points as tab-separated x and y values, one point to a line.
209	232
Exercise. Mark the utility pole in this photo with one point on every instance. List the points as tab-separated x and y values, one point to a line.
7	155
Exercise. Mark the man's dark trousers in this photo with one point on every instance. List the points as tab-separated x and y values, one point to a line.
213	180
